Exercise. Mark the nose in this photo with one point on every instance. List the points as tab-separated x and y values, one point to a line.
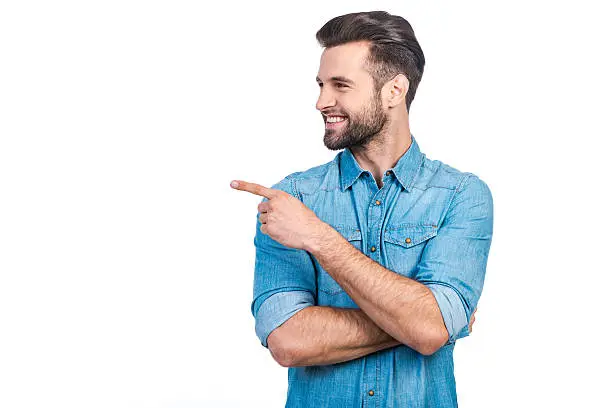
326	99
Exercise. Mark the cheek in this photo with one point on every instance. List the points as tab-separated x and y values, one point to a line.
348	111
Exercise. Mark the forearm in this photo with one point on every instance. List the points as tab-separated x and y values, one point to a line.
325	335
402	307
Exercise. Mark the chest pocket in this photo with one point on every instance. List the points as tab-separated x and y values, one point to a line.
330	293
404	245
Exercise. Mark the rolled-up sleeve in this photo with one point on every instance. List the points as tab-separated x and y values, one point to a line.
277	309
284	280
453	263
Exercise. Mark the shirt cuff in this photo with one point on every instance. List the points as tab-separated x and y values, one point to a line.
452	310
277	309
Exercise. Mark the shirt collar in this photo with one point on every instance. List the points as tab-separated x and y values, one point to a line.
405	169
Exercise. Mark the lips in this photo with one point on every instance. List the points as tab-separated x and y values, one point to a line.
332	125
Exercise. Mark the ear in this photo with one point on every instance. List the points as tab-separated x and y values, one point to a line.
397	90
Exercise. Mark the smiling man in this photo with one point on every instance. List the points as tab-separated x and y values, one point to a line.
369	267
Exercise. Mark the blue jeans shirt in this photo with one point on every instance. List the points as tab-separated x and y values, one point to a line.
429	222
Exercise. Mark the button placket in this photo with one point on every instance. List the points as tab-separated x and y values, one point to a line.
376	214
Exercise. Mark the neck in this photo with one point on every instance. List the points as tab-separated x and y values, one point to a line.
385	150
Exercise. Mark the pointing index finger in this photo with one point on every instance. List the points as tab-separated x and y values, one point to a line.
253	188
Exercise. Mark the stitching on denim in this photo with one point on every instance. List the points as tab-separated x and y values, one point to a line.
323	174
294	191
322	189
463	181
349	232
416	173
376	386
346	227
450	202
444	187
410	225
413	242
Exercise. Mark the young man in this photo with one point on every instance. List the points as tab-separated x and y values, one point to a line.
369	267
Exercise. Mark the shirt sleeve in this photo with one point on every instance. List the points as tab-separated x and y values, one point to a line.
453	263
277	309
285	278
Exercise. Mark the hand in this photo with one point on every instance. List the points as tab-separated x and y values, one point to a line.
283	217
472	319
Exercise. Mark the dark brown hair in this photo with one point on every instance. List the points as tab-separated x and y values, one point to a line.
394	48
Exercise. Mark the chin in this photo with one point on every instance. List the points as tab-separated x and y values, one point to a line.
334	146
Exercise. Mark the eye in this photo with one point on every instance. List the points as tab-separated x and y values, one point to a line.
338	84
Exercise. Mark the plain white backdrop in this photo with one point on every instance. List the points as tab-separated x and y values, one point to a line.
126	260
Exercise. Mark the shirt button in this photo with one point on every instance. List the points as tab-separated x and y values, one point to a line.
388	173
373	249
408	240
377	202
371	393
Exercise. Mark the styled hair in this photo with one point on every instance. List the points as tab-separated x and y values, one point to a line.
394	48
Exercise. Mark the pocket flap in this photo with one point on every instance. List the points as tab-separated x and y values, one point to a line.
348	232
410	235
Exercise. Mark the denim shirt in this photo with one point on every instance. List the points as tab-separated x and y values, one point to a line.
429	222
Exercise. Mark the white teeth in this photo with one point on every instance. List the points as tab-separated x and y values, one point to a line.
334	119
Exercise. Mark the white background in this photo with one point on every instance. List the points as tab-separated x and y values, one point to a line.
126	260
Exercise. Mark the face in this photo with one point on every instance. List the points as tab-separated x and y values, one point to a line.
352	111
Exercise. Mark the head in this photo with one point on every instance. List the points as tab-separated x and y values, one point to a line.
369	72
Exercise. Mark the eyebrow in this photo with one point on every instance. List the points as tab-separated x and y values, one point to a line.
339	79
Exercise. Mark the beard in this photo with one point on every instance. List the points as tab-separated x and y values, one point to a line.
358	130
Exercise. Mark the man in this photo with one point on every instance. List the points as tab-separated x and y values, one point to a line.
369	267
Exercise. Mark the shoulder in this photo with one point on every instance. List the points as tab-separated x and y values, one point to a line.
435	173
323	176
470	197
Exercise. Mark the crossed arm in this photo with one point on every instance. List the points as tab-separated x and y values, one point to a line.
406	309
394	310
318	335
423	313
329	335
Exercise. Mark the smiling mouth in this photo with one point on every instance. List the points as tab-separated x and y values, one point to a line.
332	122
